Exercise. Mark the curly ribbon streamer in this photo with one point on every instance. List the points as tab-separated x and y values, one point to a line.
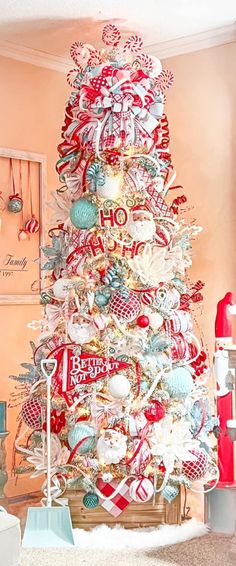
138	375
95	488
55	491
202	405
212	482
138	448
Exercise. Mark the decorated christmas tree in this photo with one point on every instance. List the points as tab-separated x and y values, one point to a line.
130	406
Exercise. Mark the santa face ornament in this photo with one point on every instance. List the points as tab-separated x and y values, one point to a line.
141	225
82	331
111	447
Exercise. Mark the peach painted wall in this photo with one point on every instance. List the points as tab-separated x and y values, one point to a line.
32	101
202	117
201	112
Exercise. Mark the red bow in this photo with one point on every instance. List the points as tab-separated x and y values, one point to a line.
57	422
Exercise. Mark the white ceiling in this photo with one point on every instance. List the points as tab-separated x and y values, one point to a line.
49	27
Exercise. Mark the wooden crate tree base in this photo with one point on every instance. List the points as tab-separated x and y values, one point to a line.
134	516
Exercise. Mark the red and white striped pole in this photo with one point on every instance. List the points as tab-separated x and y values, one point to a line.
223	338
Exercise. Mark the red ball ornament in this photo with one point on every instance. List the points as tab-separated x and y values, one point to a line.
31	413
155	412
142	321
195	470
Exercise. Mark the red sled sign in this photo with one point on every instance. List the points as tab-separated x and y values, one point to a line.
82	369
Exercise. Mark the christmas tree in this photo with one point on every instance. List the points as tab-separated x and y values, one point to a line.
130	404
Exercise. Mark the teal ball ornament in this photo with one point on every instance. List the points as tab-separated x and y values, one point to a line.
101	300
84	214
82	432
90	500
179	382
15	204
170	492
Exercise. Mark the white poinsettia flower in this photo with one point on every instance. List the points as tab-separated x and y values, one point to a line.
172	441
59	456
153	265
181	260
60	205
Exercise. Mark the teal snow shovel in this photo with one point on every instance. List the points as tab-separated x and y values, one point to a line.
48	526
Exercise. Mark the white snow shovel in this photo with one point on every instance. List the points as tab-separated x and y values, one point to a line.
48	526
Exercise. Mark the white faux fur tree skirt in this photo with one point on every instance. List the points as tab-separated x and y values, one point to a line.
104	537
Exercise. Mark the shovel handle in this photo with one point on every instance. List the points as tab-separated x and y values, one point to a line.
48	374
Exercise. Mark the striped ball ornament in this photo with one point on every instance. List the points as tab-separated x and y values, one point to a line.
141	490
32	225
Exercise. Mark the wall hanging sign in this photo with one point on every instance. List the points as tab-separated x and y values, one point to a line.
22	189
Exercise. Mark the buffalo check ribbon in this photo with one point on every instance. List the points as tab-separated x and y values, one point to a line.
114	505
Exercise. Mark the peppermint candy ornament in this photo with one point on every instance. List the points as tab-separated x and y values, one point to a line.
32	225
145	61
165	80
111	35
134	44
141	490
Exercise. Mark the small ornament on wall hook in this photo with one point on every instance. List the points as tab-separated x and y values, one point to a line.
15	203
32	225
2	208
22	234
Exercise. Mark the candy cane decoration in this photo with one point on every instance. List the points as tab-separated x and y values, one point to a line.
111	35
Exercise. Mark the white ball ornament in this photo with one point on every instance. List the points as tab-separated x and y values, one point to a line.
141	490
119	386
61	288
111	188
156	66
155	320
